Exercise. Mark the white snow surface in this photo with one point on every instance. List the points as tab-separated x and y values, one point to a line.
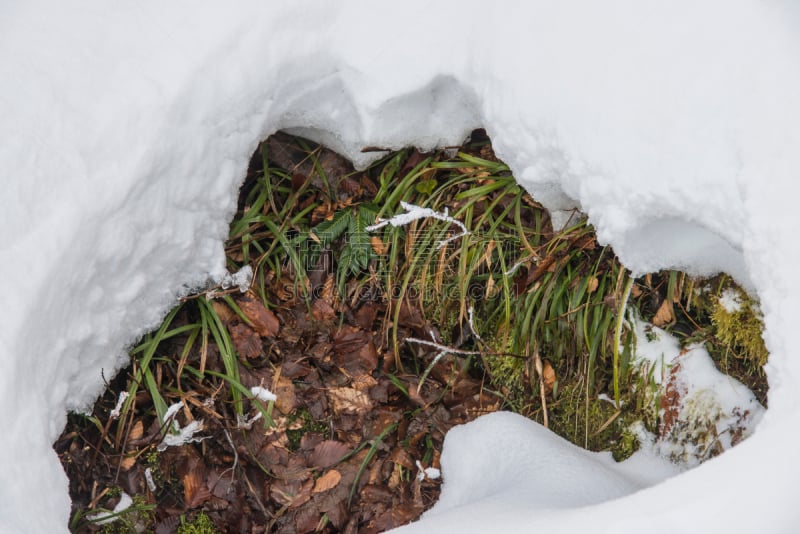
702	398
127	128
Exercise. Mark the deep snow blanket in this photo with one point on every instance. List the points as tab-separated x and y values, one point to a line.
126	129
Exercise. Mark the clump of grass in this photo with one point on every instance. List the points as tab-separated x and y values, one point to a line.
514	294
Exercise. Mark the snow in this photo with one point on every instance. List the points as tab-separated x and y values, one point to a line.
707	409
263	394
730	300
104	518
178	435
241	279
655	348
127	129
414	213
431	473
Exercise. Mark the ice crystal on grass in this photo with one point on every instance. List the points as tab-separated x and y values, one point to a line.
414	213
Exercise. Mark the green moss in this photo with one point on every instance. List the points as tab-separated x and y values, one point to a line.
740	326
300	423
508	375
627	445
201	524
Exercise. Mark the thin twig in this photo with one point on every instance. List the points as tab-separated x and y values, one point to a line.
537	362
442	348
232	468
452	350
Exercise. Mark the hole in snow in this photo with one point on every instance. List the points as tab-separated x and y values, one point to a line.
374	310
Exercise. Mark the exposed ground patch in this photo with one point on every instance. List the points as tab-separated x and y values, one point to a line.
317	398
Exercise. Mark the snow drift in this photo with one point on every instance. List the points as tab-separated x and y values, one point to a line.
127	129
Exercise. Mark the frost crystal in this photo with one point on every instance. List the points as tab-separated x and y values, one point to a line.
263	394
414	213
242	278
184	435
123	396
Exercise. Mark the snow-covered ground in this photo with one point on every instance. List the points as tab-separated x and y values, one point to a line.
126	129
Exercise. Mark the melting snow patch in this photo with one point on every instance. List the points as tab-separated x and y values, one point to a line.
731	300
703	411
241	278
431	473
114	414
104	518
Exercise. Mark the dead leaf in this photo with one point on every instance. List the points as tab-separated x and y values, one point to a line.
349	339
349	400
592	285
225	314
549	377
298	180
322	311
137	431
195	492
365	315
671	400
127	462
245	340
327	481
664	315
378	245
328	453
287	398
264	321
291	493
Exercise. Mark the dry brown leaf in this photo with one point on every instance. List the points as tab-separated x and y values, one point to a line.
549	377
264	321
664	315
671	400
327	481
328	453
303	495
378	245
350	339
291	493
396	478
636	291
225	314
195	492
322	310
287	397
127	462
363	382
245	340
591	287
349	400
137	431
